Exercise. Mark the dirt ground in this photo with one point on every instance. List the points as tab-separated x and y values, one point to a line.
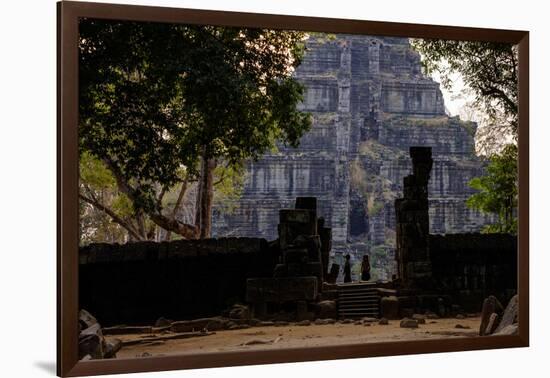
290	336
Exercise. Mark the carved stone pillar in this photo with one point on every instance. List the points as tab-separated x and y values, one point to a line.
412	223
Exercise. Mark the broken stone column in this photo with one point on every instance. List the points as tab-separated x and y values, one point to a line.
300	242
412	223
304	245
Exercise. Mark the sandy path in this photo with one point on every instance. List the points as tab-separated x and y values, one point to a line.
281	337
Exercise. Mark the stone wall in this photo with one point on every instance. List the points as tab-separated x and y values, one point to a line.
464	268
474	266
137	283
370	102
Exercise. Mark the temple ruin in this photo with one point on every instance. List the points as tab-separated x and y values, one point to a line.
370	102
290	277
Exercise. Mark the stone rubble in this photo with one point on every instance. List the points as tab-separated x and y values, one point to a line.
91	341
495	321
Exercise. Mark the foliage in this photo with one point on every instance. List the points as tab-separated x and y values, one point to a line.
358	177
154	98
97	187
490	74
498	191
489	71
228	186
374	207
323	37
98	183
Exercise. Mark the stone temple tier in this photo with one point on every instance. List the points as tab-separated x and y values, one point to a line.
370	102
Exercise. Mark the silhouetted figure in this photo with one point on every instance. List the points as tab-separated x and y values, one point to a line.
365	268
347	270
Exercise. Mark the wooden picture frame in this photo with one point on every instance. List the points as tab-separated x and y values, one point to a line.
68	14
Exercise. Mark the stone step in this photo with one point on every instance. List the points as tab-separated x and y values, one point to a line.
366	304
355	294
358	315
372	313
362	303
363	285
355	304
357	310
358	300
358	290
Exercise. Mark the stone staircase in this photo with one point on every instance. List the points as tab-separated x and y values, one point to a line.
358	300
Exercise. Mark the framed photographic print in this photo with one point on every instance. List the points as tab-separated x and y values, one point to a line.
240	188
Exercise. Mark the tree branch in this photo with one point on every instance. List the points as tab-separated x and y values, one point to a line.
117	219
185	230
178	203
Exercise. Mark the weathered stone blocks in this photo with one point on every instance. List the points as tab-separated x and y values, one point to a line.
281	289
412	228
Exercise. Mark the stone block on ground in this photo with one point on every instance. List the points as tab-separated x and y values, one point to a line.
239	311
369	319
492	324
510	315
91	342
421	319
112	347
408	323
490	305
86	319
163	322
511	330
321	322
327	309
389	307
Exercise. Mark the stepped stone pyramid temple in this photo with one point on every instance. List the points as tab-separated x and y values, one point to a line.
370	102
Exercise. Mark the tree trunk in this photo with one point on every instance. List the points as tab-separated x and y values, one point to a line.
206	198
198	198
133	233
186	230
178	204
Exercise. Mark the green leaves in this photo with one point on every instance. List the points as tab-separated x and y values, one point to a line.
488	69
498	191
94	173
155	98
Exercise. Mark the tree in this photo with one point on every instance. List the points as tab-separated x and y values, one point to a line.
490	73
498	191
157	100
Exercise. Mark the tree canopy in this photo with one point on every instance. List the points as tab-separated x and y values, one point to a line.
157	99
490	73
498	190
